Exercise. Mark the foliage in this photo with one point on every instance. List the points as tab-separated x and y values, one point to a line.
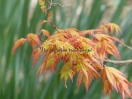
80	55
18	80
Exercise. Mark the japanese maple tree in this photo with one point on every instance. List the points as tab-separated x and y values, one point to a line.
81	55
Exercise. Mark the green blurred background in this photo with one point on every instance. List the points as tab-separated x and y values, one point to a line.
18	78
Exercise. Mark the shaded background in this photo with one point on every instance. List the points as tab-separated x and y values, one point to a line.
18	79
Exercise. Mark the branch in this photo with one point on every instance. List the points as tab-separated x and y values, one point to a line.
52	23
127	46
58	4
127	62
55	4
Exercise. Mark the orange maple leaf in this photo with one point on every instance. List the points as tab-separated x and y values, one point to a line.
45	32
17	44
33	39
110	27
113	78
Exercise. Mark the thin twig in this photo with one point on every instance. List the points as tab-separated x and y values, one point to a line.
52	23
55	4
127	62
58	4
127	46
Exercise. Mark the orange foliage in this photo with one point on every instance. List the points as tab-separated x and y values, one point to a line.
81	55
112	78
17	44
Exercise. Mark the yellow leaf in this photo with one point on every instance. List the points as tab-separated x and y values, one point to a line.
45	32
46	46
50	62
65	67
41	2
66	74
116	27
49	15
43	22
43	8
111	78
111	27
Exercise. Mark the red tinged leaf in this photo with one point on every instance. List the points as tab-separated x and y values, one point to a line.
111	78
45	32
105	45
117	80
86	74
89	32
112	49
91	70
17	44
79	79
33	39
111	27
86	80
107	87
36	54
100	36
101	50
43	22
